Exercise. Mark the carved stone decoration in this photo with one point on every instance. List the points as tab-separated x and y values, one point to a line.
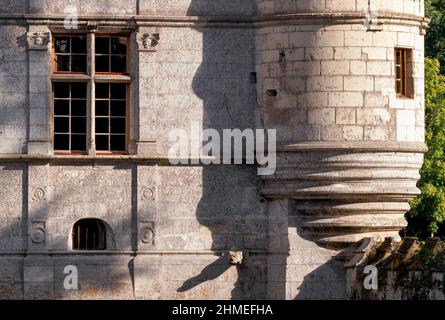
148	41
236	257
39	194
92	26
424	27
147	194
38	40
147	233
38	232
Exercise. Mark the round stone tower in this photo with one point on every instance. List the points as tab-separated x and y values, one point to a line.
342	82
350	147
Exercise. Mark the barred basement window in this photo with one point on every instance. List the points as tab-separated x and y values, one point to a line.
404	73
89	234
90	94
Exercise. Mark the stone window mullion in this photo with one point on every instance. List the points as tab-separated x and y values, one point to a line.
91	93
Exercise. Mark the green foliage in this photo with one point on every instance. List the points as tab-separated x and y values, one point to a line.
427	215
435	39
428	210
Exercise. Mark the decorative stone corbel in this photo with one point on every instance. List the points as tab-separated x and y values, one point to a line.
148	41
38	40
235	258
424	26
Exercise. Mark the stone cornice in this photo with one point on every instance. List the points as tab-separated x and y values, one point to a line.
198	21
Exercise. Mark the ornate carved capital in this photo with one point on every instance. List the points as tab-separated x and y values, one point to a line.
92	26
38	40
148	41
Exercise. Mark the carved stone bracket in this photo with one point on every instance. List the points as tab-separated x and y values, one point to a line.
38	40
424	27
148	41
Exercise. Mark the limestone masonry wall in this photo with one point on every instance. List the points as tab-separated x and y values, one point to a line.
320	72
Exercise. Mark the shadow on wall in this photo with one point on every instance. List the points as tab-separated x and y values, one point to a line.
231	206
100	276
243	223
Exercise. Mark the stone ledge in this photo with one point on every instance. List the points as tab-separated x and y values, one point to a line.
133	21
355	146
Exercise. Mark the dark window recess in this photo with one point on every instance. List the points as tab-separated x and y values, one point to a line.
404	73
89	234
70	117
111	117
70	54
111	54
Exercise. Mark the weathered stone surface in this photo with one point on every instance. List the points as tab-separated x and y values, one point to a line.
348	161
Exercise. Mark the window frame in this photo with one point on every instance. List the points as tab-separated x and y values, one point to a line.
90	77
406	79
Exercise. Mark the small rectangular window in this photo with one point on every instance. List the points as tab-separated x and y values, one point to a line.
404	73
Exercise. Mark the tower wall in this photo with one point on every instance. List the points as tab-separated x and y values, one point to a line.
349	149
348	158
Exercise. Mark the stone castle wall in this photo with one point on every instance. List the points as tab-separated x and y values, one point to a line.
348	160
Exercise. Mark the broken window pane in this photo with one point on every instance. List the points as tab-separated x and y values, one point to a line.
62	45
70	54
